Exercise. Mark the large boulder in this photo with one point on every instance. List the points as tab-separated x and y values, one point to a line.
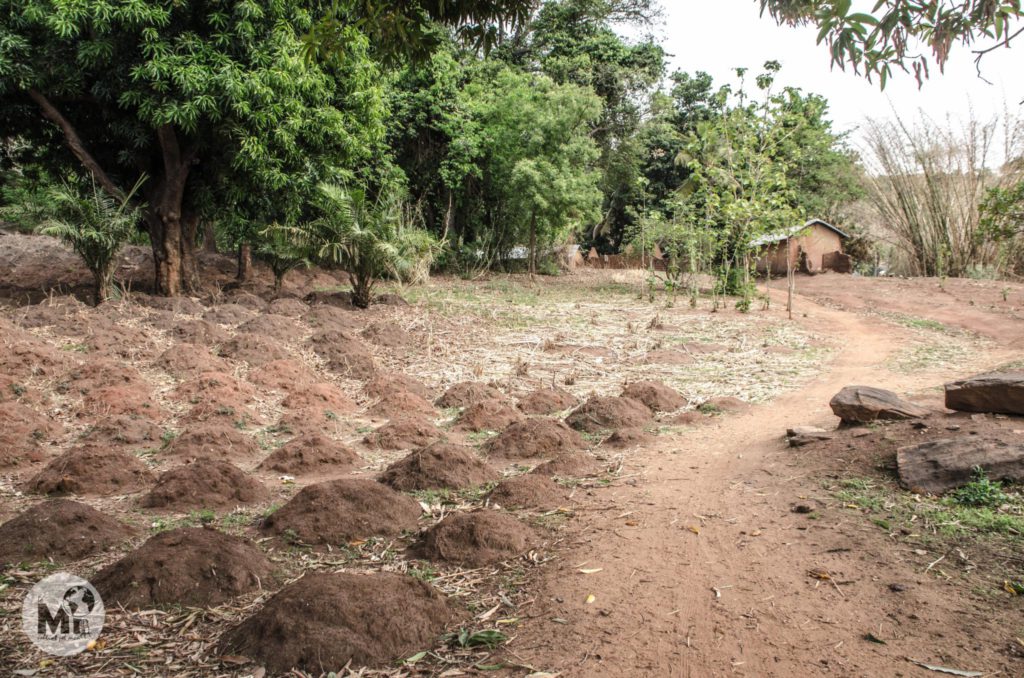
1001	392
862	404
940	465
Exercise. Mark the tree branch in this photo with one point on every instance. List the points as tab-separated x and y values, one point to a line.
75	143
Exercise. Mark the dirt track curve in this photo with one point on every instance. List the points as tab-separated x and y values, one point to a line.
704	567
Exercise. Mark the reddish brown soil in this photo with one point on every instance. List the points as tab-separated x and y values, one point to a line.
213	441
189	360
22	432
204	483
14	390
604	413
488	415
403	434
318	398
569	465
229	314
528	491
725	404
337	512
277	328
246	299
282	375
657	396
177	305
199	332
627	437
534	438
216	398
547	401
396	382
288	307
692	418
192	566
123	431
332	620
326	317
401	404
442	465
345	354
476	539
91	471
387	334
60	312
252	349
60	530
23	356
108	388
468	393
311	454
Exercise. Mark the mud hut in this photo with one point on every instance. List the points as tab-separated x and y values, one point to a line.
810	248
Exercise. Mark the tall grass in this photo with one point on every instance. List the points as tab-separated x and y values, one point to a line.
926	181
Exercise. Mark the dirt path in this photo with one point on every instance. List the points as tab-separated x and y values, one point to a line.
704	567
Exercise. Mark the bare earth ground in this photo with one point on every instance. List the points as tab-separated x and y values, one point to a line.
684	558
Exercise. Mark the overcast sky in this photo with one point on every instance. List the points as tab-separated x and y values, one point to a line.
719	35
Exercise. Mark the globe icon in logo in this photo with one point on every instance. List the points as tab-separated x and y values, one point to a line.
62	614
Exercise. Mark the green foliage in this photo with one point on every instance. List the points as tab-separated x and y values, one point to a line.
873	43
367	237
466	638
93	223
281	251
980	492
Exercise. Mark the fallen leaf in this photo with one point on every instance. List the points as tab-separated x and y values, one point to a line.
872	638
693	528
945	669
591	598
632	523
819	573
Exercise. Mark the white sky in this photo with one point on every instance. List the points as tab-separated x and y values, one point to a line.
717	36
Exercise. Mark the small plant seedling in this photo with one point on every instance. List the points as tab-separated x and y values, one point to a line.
980	492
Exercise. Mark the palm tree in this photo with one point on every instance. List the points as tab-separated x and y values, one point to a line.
91	221
368	238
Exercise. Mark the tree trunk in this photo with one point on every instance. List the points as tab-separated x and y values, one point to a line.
533	245
244	263
189	260
167	230
209	238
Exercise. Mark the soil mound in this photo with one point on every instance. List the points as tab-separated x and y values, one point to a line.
656	395
247	300
476	539
188	360
205	483
278	328
91	471
387	334
126	431
467	393
217	396
668	356
691	418
109	388
396	382
289	307
533	438
199	332
340	619
59	530
398	404
570	465
21	432
327	317
281	375
602	413
528	491
442	465
213	441
320	398
489	415
228	314
179	305
340	511
311	454
403	434
28	357
344	353
547	401
627	437
253	349
193	566
723	404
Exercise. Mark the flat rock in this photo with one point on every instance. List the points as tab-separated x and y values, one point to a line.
862	404
997	392
940	465
798	436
